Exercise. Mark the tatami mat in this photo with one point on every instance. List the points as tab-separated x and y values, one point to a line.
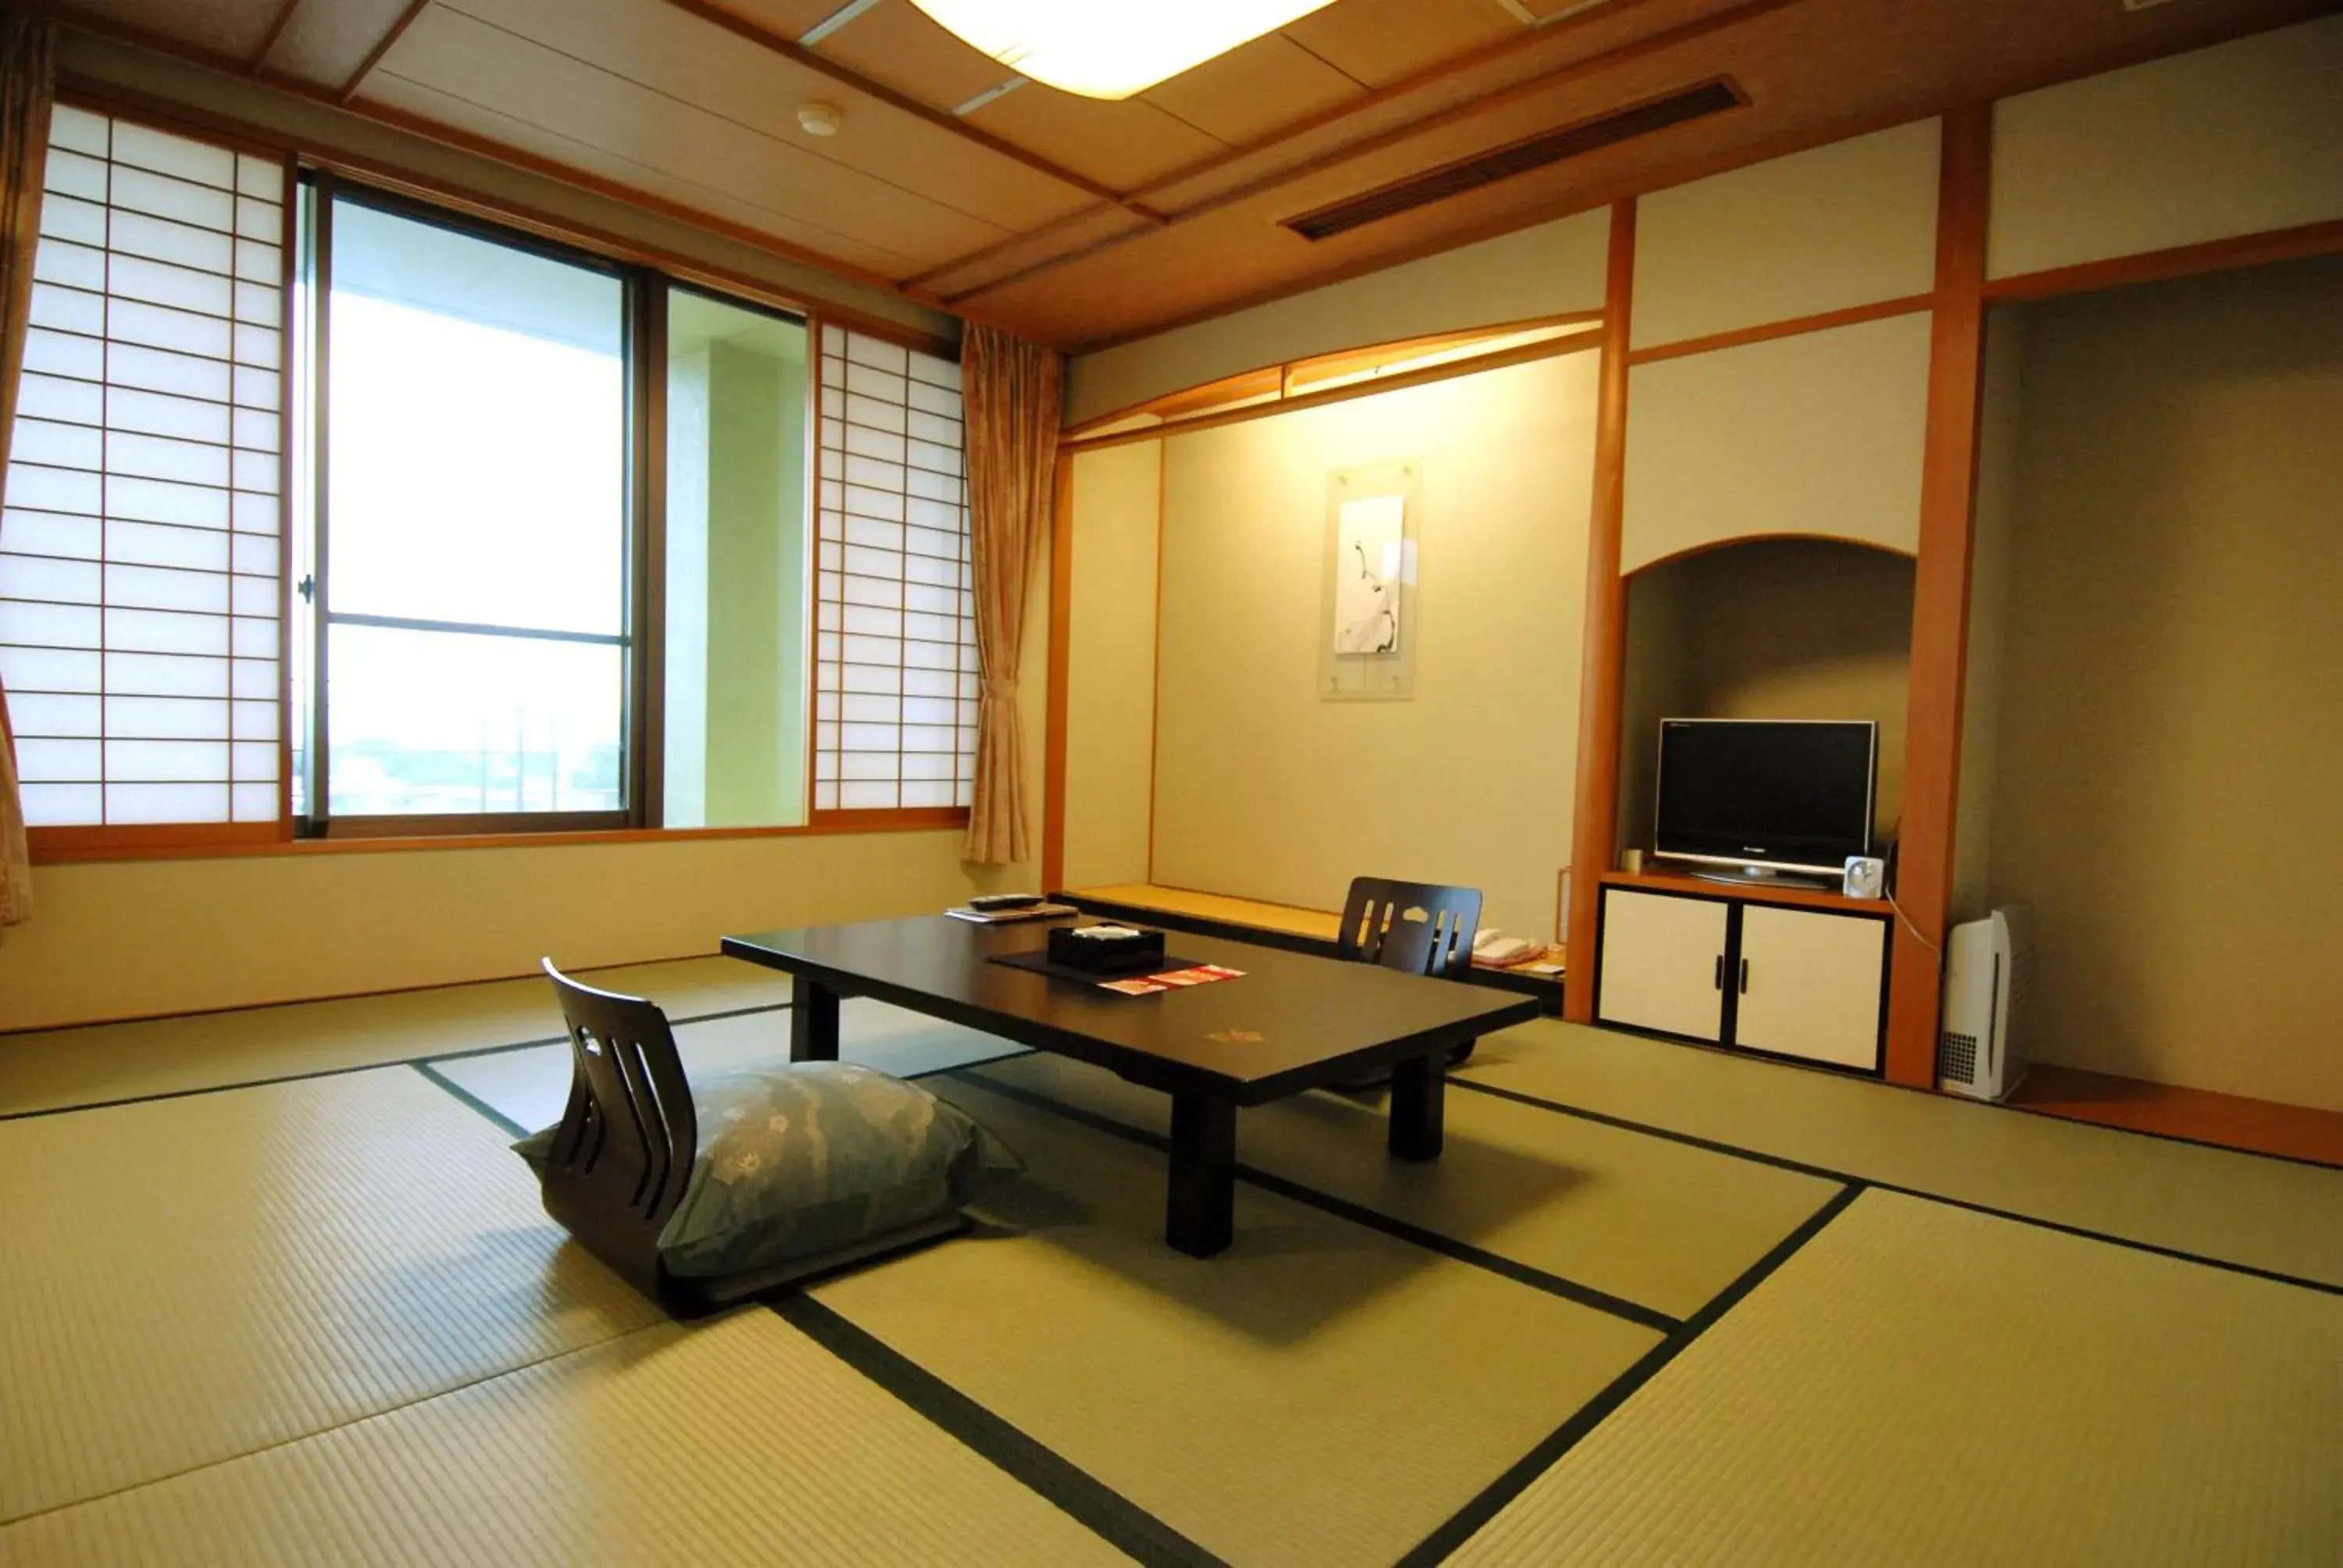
48	1068
187	1280
2246	1209
1321	1393
530	1087
1922	1384
739	1441
1657	1223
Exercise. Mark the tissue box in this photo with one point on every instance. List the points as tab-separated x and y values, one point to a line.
1106	950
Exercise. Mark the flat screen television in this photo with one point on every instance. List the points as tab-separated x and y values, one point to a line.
1762	795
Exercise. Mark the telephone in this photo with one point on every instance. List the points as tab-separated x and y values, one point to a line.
1493	946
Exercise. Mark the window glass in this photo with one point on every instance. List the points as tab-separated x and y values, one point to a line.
736	590
476	540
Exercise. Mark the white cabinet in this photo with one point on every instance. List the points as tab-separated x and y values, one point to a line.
1811	984
1663	963
1781	978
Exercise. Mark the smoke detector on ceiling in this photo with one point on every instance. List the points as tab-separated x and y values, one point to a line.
820	119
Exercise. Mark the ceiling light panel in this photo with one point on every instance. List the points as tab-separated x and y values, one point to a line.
1111	48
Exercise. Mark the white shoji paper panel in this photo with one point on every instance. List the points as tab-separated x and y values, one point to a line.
139	590
895	672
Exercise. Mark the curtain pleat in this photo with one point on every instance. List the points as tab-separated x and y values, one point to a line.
28	87
1011	410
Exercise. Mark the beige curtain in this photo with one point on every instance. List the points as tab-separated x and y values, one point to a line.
27	82
1012	413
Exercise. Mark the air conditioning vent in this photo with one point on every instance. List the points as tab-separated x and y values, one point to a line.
1502	163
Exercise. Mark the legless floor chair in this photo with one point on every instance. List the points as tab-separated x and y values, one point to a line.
622	1158
1417	928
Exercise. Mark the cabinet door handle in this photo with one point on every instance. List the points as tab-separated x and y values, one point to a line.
1720	971
1745	977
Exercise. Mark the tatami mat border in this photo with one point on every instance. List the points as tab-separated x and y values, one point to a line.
359	1065
1341	1208
1693	1140
1113	1517
1460	1525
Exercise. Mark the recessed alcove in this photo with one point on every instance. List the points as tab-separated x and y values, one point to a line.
1775	628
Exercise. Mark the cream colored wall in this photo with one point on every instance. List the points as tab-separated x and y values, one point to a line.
1771	629
2000	436
2235	139
1110	665
1853	223
101	61
1264	789
1552	269
1820	433
135	938
2170	788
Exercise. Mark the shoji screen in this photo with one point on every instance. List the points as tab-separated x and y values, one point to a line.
895	673
139	585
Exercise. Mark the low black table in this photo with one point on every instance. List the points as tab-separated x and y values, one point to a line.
1291	1023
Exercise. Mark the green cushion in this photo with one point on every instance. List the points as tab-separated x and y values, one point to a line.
798	1160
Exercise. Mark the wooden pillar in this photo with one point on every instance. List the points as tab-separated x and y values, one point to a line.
1595	827
1053	723
1940	606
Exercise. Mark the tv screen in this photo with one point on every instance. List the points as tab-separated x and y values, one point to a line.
1766	792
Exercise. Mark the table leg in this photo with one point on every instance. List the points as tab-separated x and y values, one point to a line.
1201	1215
813	1021
1419	1095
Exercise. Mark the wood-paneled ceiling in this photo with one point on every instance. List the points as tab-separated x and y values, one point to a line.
1078	222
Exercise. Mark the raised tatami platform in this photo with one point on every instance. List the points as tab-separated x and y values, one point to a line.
1654	1305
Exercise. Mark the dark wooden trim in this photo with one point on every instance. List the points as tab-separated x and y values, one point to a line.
383	45
1788	897
1169	405
1709	546
1821	321
1595	820
228	840
1940	600
2180	261
942	119
1053	723
276	26
1528	353
289	351
883	819
644	769
52	846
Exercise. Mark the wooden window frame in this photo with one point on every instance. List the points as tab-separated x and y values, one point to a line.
647	275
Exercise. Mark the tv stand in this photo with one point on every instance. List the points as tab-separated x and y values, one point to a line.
1760	965
1762	877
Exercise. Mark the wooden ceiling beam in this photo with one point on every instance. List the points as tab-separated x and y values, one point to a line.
1334	113
276	26
1563	76
349	89
943	119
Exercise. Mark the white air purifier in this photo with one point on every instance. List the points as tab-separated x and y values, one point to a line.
1981	1051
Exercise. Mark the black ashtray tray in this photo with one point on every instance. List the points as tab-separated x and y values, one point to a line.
1106	950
